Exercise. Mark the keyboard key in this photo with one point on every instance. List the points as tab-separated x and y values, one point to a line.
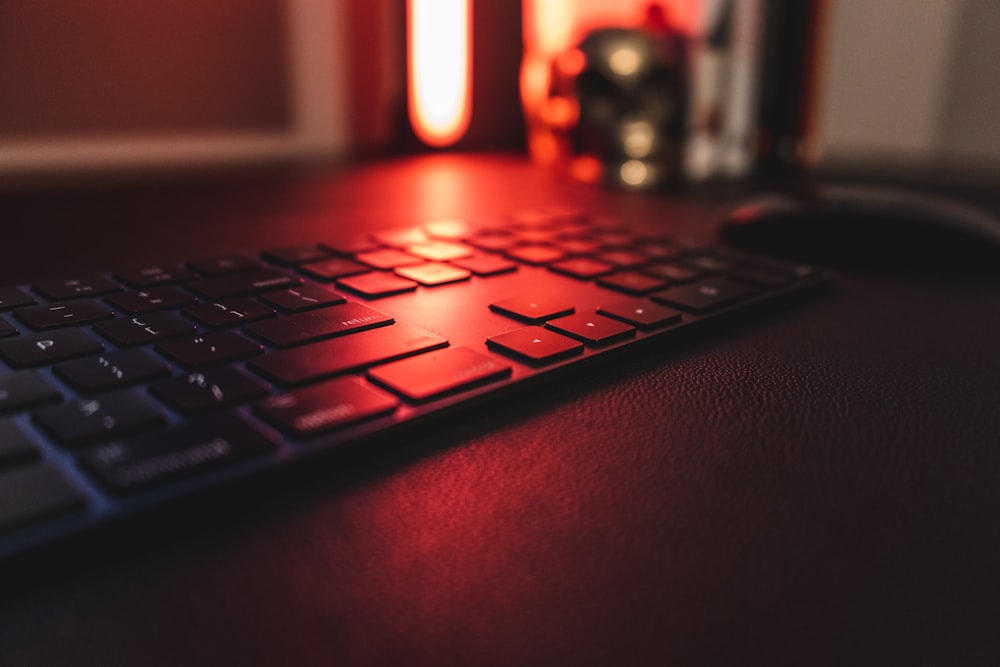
632	282
377	284
440	251
142	461
7	329
761	277
100	418
25	389
48	348
296	254
331	269
400	238
342	355
615	238
433	273
386	258
15	447
157	298
535	344
65	314
675	273
153	276
624	259
327	406
435	373
532	309
705	295
494	241
657	248
75	288
593	330
584	268
486	264
303	297
225	265
351	246
242	284
210	348
641	313
536	254
316	324
11	297
208	390
143	329
579	245
33	492
112	370
708	262
449	229
229	312
535	236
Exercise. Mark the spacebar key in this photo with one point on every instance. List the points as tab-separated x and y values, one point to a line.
130	465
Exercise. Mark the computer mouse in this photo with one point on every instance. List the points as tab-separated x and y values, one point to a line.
868	227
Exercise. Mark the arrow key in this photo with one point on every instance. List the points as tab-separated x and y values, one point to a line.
641	313
534	309
594	330
535	344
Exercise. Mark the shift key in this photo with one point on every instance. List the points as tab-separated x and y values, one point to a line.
343	355
326	406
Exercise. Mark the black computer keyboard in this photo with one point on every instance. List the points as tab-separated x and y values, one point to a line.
125	391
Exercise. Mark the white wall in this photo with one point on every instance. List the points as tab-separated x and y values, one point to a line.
913	81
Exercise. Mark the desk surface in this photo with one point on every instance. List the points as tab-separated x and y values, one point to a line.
818	487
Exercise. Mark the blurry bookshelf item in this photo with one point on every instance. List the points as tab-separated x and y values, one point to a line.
726	79
619	104
682	106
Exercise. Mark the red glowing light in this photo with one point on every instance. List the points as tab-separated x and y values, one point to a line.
560	112
587	169
439	69
572	62
553	26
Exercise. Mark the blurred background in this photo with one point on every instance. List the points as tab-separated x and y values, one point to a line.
113	86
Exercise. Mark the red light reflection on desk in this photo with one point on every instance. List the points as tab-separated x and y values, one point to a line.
448	536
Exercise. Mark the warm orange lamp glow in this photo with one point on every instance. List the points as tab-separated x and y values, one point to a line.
439	64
